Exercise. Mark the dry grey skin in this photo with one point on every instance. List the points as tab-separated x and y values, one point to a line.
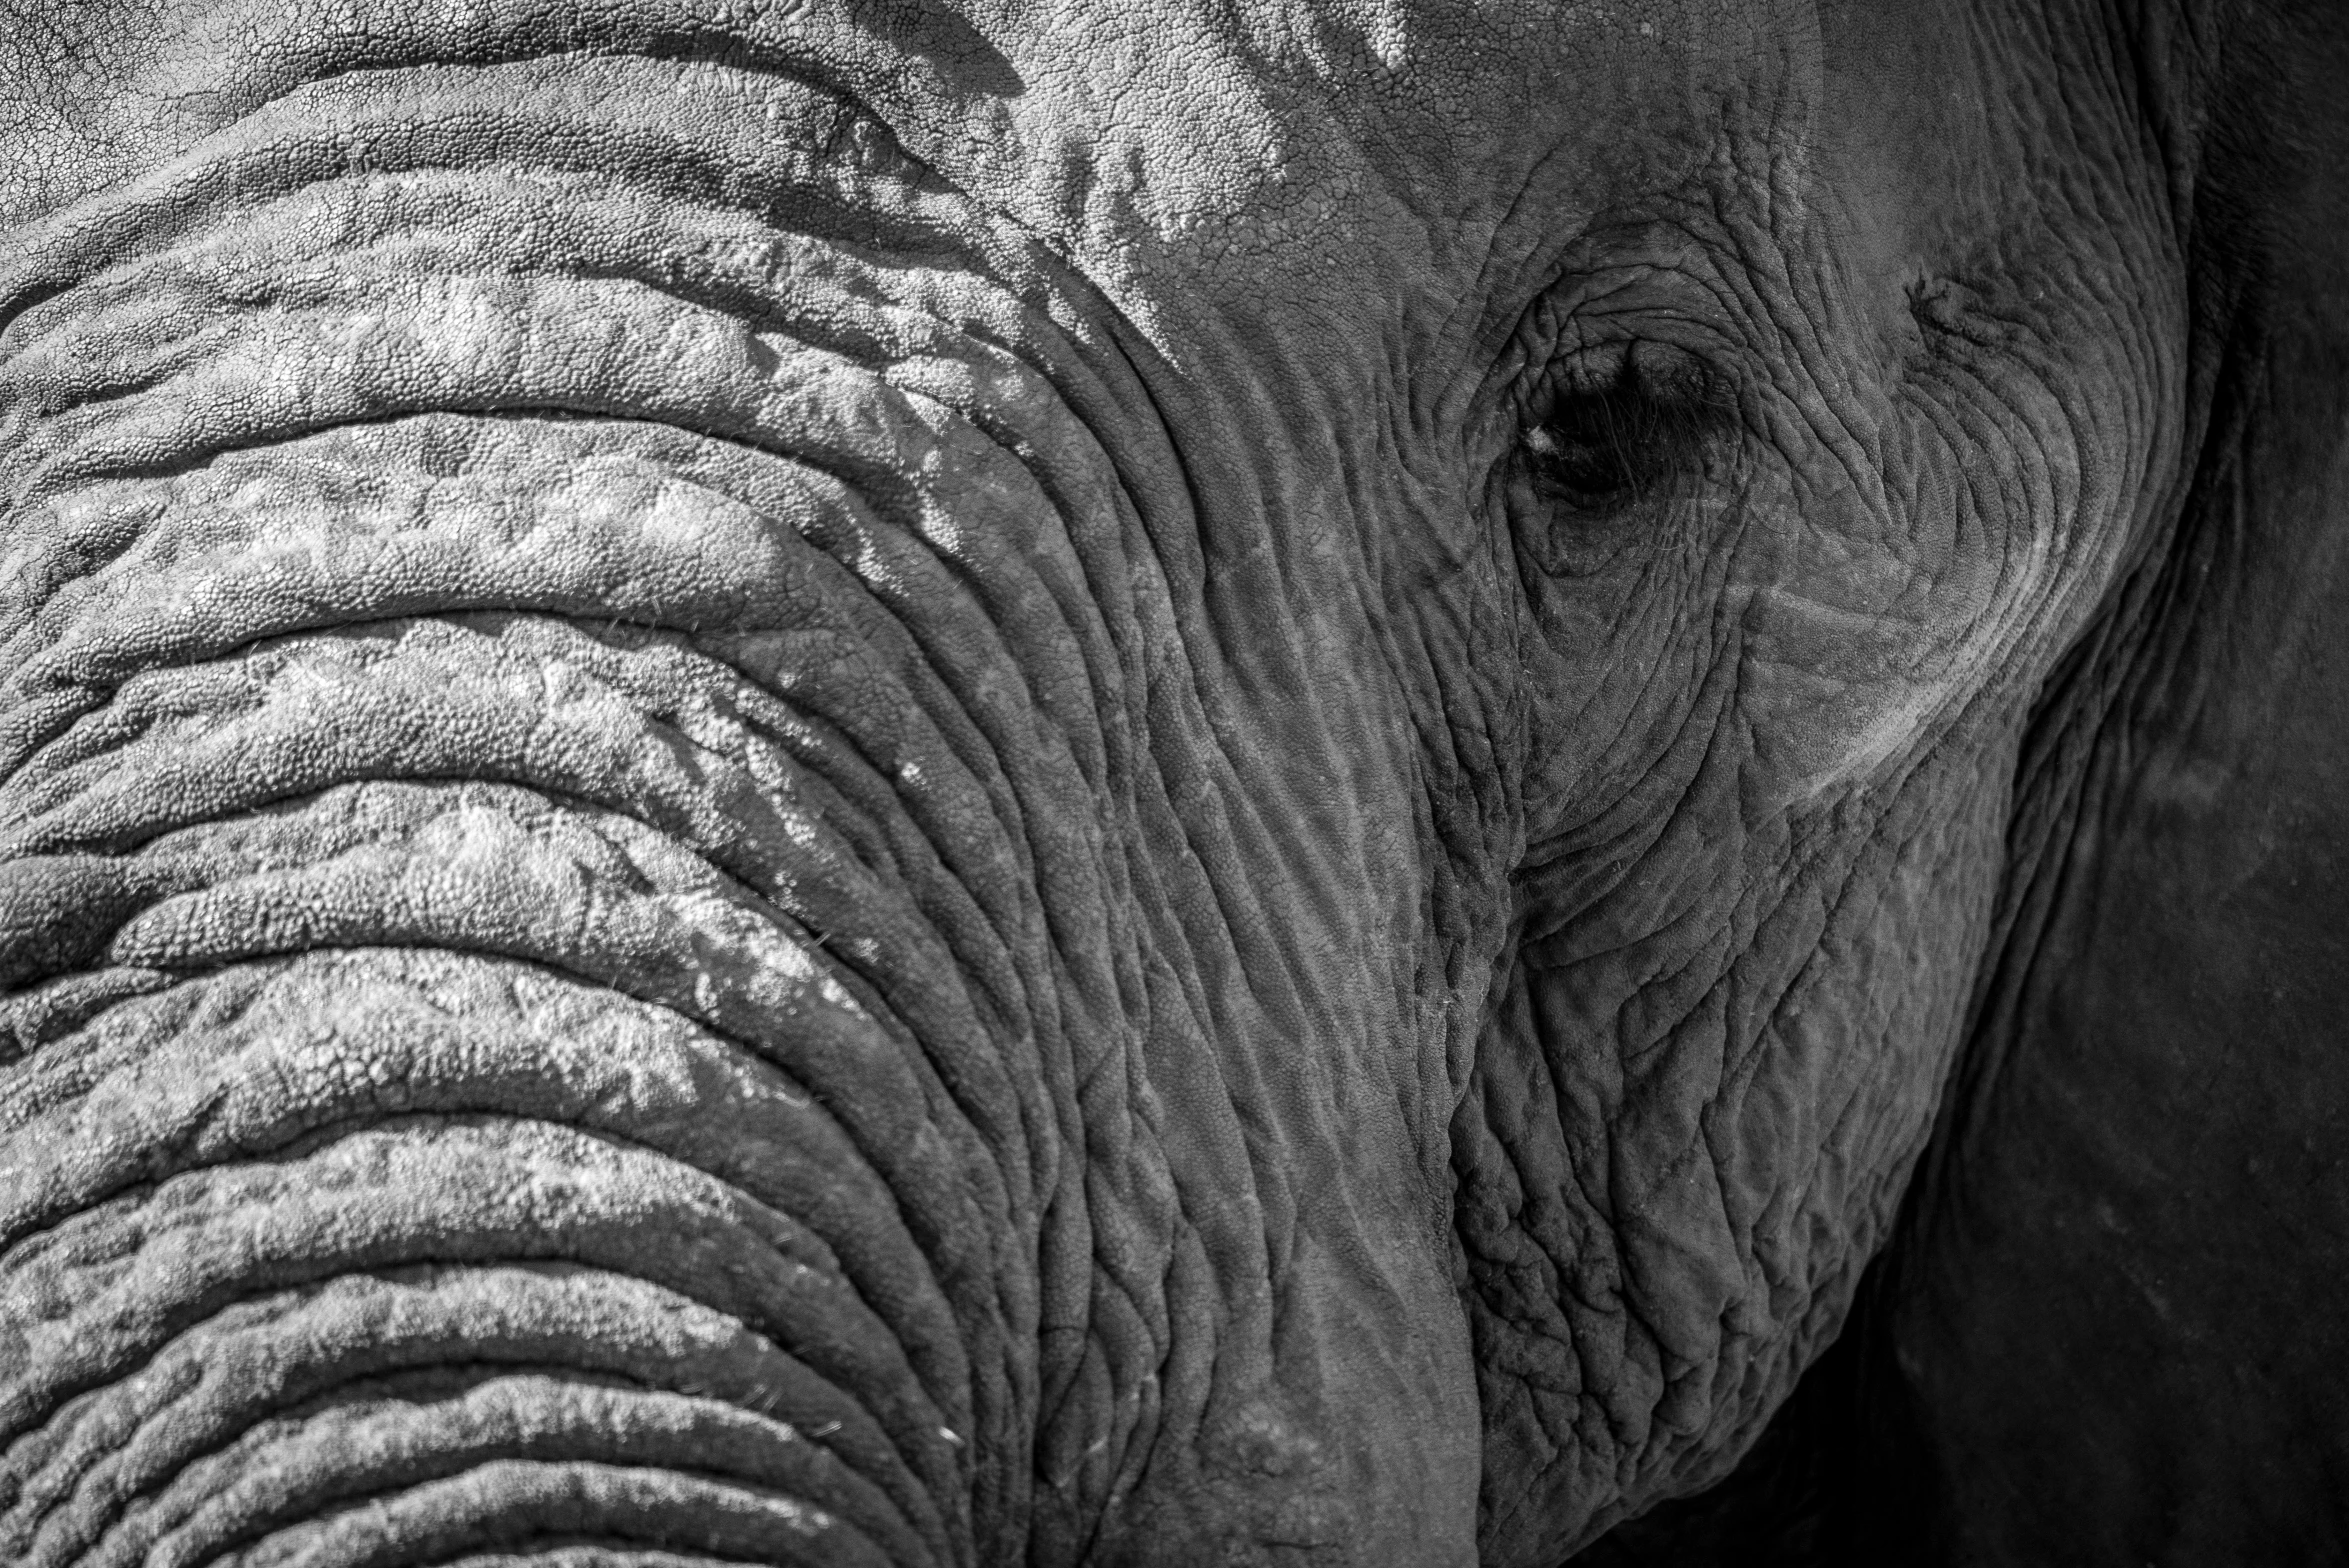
847	783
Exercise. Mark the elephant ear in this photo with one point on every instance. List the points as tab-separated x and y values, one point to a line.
2112	1325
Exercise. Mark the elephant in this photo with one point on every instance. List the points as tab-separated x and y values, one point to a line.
959	782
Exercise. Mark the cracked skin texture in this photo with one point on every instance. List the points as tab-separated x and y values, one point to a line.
853	782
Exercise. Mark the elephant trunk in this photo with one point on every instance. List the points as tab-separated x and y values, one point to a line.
562	894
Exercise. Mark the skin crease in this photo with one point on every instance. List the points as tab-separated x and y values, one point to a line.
822	782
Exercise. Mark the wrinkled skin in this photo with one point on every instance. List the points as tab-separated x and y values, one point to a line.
863	783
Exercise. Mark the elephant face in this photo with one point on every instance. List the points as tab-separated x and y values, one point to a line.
1193	783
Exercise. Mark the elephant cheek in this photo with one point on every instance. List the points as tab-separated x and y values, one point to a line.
551	886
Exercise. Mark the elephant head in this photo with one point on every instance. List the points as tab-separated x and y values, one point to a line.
868	782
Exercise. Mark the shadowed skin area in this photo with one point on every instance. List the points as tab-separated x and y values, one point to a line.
837	782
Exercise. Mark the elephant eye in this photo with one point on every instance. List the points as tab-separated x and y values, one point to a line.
1602	437
1589	452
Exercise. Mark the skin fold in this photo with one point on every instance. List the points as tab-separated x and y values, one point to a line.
851	781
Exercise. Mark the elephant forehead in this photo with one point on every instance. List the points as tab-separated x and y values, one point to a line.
1199	139
1295	131
1339	153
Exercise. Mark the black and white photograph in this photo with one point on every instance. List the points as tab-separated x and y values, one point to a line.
1174	783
